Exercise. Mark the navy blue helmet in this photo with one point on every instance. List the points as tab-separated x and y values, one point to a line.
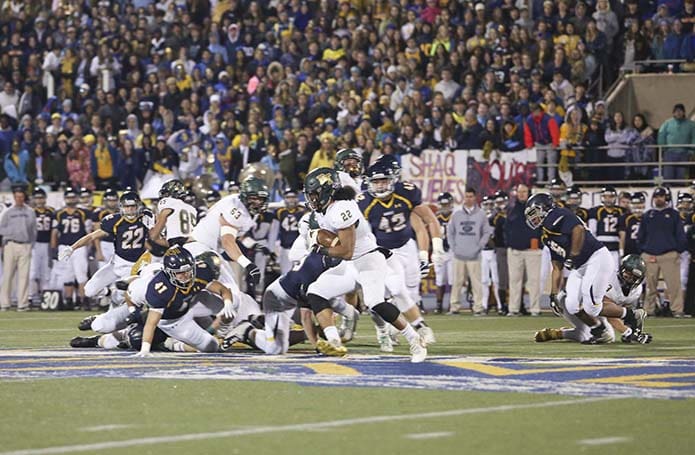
537	209
179	266
381	179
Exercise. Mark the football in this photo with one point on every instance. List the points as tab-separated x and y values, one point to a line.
327	238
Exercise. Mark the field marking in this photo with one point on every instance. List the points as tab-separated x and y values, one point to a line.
492	370
115	426
646	380
419	436
603	441
332	368
294	427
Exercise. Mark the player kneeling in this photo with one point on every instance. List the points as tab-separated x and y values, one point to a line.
623	292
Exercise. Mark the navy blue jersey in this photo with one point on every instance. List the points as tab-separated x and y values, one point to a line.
293	281
175	301
444	222
70	226
44	224
129	236
557	236
582	213
607	225
289	224
390	218
498	225
629	224
101	213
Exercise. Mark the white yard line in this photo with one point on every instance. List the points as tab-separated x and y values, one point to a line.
115	426
419	436
603	441
294	427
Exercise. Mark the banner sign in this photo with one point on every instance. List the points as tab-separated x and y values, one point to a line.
436	171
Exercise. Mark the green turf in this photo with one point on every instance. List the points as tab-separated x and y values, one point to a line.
48	413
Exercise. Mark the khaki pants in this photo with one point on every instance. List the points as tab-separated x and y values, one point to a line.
17	258
462	271
669	265
524	262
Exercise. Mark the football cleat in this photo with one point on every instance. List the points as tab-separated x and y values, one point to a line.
385	342
548	335
418	350
644	338
238	334
427	335
85	342
348	326
86	323
393	333
331	348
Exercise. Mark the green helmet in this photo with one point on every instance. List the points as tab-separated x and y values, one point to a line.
173	188
632	271
253	187
348	154
319	187
212	261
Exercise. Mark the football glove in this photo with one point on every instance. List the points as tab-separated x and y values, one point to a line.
253	272
569	263
556	305
424	268
65	254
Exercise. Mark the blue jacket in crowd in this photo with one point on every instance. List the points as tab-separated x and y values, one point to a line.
661	231
516	232
17	173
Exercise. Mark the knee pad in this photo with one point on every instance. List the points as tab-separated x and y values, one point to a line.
387	311
317	304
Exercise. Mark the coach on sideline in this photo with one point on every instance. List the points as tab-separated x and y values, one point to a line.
18	231
523	256
661	238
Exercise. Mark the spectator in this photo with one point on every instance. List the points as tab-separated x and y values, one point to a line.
9	99
677	131
16	164
77	164
618	136
541	131
640	152
572	136
18	232
661	238
511	137
325	155
40	167
467	233
104	163
127	167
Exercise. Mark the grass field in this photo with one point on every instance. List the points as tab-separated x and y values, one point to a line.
488	388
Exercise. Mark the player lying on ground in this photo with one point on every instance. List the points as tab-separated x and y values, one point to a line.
624	292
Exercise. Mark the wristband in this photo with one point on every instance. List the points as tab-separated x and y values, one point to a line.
437	245
424	256
243	261
145	347
228	230
227	302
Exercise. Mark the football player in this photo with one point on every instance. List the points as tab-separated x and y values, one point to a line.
86	201
488	260
603	222
229	219
104	248
40	274
444	270
175	218
628	225
348	164
129	231
573	201
557	189
387	206
257	241
498	222
69	225
684	205
624	290
357	246
288	226
183	290
574	248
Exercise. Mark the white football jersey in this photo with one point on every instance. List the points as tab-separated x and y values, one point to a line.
181	221
207	231
343	214
615	293
347	180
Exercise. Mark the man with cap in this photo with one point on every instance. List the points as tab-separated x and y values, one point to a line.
541	131
18	232
677	130
661	238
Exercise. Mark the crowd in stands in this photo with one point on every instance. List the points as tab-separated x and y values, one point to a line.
109	93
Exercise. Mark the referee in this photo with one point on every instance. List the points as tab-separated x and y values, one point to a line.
18	231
